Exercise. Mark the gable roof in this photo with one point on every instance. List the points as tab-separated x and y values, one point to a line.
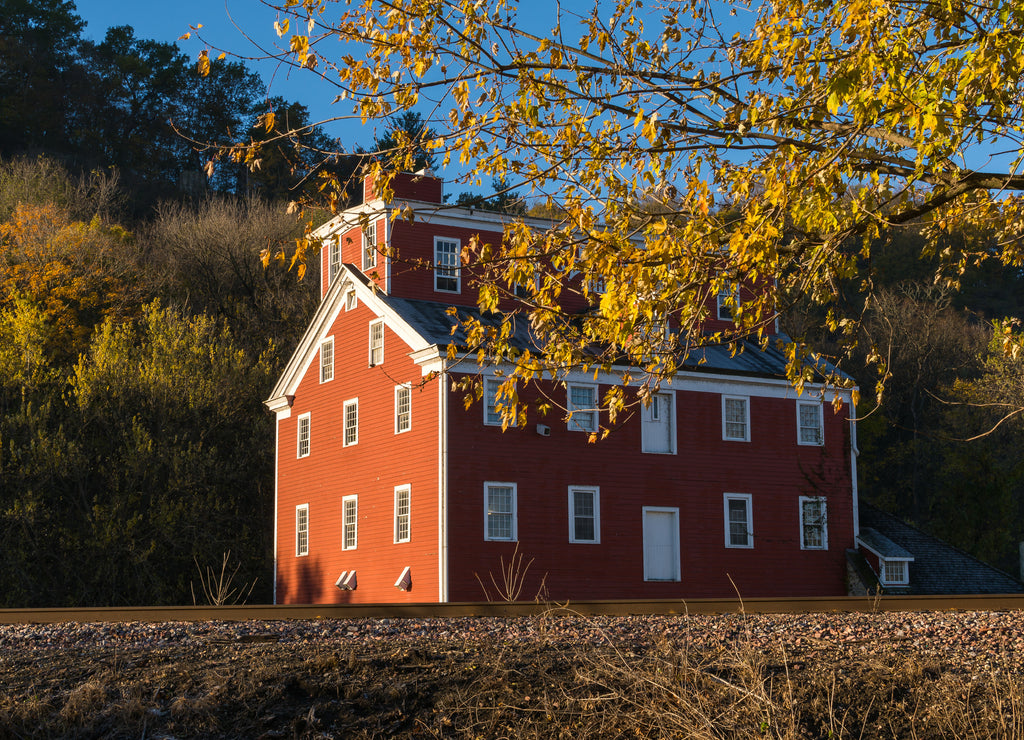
938	567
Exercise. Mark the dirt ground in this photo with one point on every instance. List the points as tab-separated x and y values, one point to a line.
539	684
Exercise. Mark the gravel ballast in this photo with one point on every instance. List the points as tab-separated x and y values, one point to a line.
857	673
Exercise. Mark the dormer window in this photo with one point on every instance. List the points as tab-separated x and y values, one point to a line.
893	572
728	300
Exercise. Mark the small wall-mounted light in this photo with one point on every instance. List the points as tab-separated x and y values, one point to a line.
544	430
404	582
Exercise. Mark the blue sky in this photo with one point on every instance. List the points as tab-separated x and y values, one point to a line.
226	24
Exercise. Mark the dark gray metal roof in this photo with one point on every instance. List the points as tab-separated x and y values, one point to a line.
938	567
434	322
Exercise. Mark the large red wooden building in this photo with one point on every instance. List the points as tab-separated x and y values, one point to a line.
389	490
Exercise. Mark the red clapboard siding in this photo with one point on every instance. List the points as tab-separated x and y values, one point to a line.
772	467
372	468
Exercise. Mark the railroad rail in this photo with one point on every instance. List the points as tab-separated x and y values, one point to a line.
238	613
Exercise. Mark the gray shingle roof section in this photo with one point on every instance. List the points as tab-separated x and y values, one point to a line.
433	322
882	545
938	567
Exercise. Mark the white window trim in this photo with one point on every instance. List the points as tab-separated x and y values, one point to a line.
746	422
407	490
299	552
515	511
355	523
351	403
906	571
824	524
747	499
573	423
457	269
496	382
373	324
369	258
307	421
328	341
333	260
821	424
596	490
727	289
398	389
677	555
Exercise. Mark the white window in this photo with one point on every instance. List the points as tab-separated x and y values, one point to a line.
736	418
376	342
492	412
349	522
500	511
894	572
738	526
813	523
809	423
447	254
658	425
351	423
403	408
582	408
350	300
304	422
584	514
333	260
728	300
302	530
402	523
327	360
661	543
370	246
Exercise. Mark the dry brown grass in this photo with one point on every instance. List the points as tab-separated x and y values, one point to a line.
540	687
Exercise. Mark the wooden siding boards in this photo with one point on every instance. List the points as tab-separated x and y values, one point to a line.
771	467
371	469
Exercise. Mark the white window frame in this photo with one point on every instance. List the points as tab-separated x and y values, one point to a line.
820	428
492	417
748	504
488	486
369	259
883	576
301	530
351	410
403	520
591	411
350	524
333	260
723	311
304	435
376	345
823	524
444	270
746	420
351	301
327	360
404	389
595	491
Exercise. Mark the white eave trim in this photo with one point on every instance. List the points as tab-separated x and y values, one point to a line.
330	307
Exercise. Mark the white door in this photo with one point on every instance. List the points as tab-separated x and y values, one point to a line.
658	422
661	544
